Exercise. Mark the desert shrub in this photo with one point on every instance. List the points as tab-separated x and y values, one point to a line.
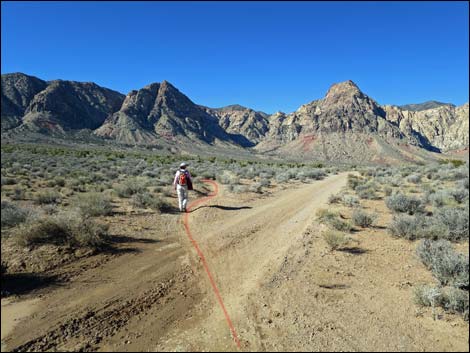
363	219
427	295
335	240
446	265
354	181
460	195
387	190
455	221
340	225
334	198
324	215
464	183
332	219
66	229
414	178
282	177
441	198
94	204
256	187
315	174
50	209
350	200
366	193
404	204
456	301
18	194
452	299
145	199
129	188
12	215
47	196
265	182
415	227
8	181
228	177
240	189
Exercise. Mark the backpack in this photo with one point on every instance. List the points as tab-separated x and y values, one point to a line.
183	178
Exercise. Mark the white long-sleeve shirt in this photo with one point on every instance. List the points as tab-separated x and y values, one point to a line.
177	176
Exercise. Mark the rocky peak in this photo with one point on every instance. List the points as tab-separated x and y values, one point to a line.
343	89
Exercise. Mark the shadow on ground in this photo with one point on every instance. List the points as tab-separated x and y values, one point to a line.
23	283
354	250
225	208
115	244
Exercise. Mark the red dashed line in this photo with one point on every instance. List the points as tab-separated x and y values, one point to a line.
203	259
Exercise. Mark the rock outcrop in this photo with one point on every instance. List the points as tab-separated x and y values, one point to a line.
443	128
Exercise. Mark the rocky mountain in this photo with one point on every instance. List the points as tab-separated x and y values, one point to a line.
442	128
344	125
247	122
424	106
18	90
55	105
160	111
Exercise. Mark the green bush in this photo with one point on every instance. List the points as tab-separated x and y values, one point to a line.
47	197
416	227
455	221
12	215
71	230
145	199
350	200
94	204
404	204
363	219
446	265
335	240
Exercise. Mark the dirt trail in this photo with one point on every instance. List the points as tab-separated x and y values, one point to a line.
281	287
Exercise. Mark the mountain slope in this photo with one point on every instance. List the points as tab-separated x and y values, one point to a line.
55	105
18	90
346	125
443	128
424	106
247	122
160	111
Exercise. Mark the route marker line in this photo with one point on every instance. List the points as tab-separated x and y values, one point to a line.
203	259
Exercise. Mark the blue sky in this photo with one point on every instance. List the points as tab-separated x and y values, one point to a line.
266	55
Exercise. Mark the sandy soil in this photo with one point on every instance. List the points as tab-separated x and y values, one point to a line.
282	288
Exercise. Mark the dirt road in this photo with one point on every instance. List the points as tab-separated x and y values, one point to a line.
282	289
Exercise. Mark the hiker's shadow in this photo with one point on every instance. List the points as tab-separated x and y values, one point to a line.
224	208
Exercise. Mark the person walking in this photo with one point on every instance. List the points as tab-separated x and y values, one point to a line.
182	183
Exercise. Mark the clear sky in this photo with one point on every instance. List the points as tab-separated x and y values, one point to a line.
269	56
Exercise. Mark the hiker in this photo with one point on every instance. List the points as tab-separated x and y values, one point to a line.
182	184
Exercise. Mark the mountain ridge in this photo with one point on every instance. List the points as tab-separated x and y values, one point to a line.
345	117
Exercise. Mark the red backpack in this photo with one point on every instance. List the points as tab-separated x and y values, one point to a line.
183	179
